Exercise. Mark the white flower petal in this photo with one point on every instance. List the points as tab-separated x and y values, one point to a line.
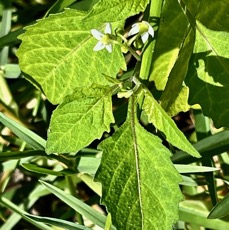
109	48
146	23
108	28
99	46
144	37
97	34
134	29
151	31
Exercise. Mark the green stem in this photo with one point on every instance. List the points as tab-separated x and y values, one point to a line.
154	12
35	109
128	45
138	58
61	159
22	147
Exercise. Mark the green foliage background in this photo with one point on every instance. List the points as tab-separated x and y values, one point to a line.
123	149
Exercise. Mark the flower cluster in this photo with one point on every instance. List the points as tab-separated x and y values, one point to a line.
143	29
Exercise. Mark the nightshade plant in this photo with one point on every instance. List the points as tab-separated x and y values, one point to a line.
180	57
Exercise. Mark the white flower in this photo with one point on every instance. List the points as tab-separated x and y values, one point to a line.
143	28
104	40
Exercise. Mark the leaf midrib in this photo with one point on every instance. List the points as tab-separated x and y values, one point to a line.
135	145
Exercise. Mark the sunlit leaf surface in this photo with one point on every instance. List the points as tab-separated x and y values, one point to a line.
140	184
58	54
160	119
81	118
208	74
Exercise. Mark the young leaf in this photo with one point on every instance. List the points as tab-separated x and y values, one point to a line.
81	118
208	74
140	184
160	119
58	53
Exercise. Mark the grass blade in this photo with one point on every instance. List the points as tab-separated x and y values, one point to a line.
25	134
85	210
22	213
58	222
194	168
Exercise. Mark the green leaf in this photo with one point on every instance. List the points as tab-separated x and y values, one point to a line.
117	10
59	5
139	181
208	74
210	17
80	119
41	170
84	5
160	119
25	134
58	53
58	222
85	210
221	209
174	98
10	38
172	30
194	168
177	101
